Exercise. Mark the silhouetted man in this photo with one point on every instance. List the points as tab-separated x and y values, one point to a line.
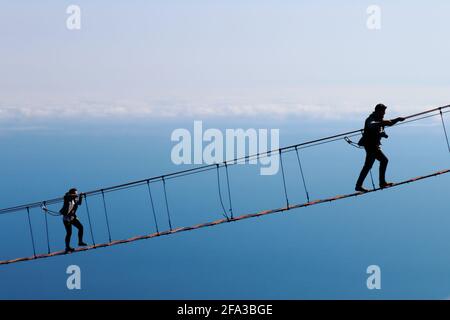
68	211
371	140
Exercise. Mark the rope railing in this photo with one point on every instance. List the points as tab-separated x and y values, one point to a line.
163	178
224	220
231	162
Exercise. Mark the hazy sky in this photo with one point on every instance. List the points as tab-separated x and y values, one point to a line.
221	58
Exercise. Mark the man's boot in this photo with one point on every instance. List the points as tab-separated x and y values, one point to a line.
69	249
385	184
361	189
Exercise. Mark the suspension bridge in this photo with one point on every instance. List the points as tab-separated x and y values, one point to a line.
227	210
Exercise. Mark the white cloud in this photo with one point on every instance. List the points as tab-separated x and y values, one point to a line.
349	102
155	110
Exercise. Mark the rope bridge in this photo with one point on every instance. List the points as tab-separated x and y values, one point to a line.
227	213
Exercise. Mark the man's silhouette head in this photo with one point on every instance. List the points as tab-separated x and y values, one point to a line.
380	110
73	193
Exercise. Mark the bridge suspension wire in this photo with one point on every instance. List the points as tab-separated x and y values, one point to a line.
445	130
89	219
163	178
228	187
284	179
46	230
106	216
167	203
301	172
31	232
224	220
182	173
220	193
153	206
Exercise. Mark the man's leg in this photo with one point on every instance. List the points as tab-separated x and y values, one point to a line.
370	159
68	227
383	166
80	228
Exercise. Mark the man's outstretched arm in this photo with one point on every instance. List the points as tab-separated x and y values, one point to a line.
385	123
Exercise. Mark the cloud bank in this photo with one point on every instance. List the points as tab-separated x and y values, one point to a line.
311	103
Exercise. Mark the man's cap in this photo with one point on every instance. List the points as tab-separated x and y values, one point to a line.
380	107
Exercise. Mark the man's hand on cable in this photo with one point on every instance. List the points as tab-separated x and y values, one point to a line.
388	123
399	119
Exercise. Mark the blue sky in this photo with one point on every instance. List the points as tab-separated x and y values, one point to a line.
206	58
96	107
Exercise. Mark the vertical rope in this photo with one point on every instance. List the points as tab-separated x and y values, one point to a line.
303	176
31	231
153	207
371	178
445	130
167	203
106	215
46	231
89	219
229	192
284	179
220	192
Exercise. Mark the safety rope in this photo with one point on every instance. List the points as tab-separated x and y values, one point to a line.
350	142
371	178
353	144
50	212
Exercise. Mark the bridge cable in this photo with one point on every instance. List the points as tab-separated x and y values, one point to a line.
284	179
222	221
210	167
31	231
220	192
106	216
46	231
167	203
229	192
153	207
89	219
445	130
301	172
